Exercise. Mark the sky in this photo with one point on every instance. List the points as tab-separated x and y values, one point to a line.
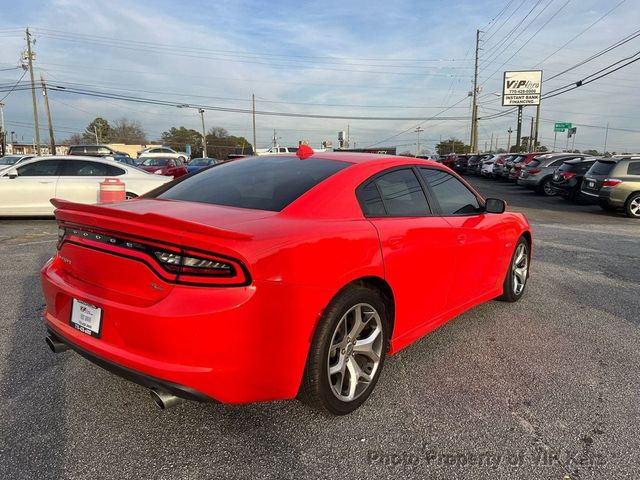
385	68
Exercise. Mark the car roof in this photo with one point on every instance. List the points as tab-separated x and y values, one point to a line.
72	158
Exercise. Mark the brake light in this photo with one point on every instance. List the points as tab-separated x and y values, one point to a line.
193	265
533	171
611	182
567	175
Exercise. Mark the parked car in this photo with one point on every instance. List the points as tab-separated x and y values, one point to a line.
92	150
538	174
567	179
122	158
508	165
499	165
449	160
163	152
171	167
486	169
460	166
26	189
473	164
9	160
521	162
304	269
199	163
615	183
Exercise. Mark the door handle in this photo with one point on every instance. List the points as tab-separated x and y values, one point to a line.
461	239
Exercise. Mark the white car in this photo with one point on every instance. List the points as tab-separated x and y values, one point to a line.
487	167
164	152
27	188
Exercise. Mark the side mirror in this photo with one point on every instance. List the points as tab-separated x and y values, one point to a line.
495	205
13	173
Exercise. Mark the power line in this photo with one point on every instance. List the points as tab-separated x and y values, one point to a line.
14	86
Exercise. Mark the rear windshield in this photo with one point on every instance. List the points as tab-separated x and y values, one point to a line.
155	162
262	183
602	167
534	163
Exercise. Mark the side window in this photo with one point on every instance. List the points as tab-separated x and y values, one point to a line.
103	151
557	163
113	171
45	168
395	194
84	168
583	167
633	168
452	195
91	150
164	150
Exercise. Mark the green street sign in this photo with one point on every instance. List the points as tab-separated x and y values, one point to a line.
558	129
562	126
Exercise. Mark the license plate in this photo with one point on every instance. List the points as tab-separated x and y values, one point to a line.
591	184
86	317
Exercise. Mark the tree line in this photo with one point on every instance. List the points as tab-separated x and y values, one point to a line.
219	142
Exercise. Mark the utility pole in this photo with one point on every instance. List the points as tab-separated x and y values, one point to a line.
348	136
510	131
491	143
519	129
253	98
3	139
52	142
474	108
33	93
535	135
532	146
204	134
604	150
496	150
418	130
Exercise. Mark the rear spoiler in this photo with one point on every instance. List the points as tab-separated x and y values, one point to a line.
154	219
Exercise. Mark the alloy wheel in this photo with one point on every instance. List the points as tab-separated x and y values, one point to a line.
520	268
634	207
355	352
548	188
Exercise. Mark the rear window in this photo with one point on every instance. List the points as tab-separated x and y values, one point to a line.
534	163
259	183
155	162
602	167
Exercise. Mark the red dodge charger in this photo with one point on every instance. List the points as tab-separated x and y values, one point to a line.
278	277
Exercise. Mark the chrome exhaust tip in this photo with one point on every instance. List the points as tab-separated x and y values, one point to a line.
56	345
164	399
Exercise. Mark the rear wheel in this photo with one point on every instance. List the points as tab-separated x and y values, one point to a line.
347	352
545	188
632	207
129	196
517	275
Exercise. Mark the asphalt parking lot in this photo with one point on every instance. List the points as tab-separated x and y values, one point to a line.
544	388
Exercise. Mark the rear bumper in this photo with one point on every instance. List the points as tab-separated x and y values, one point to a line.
231	344
133	375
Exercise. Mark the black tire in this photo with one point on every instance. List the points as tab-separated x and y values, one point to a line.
632	206
510	291
130	196
316	389
606	207
545	188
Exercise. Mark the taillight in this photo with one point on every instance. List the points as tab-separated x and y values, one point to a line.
181	265
567	175
611	182
533	171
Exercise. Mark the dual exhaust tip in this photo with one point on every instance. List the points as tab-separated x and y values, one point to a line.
161	398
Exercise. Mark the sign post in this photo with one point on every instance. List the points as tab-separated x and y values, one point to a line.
520	89
559	127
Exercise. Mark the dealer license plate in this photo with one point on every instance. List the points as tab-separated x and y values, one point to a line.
86	317
591	184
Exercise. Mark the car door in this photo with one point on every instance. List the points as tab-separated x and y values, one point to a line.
478	237
29	192
416	247
79	180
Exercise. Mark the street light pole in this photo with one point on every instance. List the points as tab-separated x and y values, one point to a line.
510	131
204	134
4	134
418	130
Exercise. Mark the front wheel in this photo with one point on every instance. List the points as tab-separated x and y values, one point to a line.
130	196
517	274
347	352
545	188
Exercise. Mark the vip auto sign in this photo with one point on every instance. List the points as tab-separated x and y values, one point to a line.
522	88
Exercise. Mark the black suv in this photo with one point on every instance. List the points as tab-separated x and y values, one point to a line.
567	179
92	150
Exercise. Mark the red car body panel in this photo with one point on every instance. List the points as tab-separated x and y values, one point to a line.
171	169
249	342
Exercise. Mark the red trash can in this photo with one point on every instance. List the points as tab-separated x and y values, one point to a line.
112	190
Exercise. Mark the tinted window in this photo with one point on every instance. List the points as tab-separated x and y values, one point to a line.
260	183
452	195
402	194
84	168
155	162
602	167
556	163
371	201
9	160
633	168
582	167
534	163
45	168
